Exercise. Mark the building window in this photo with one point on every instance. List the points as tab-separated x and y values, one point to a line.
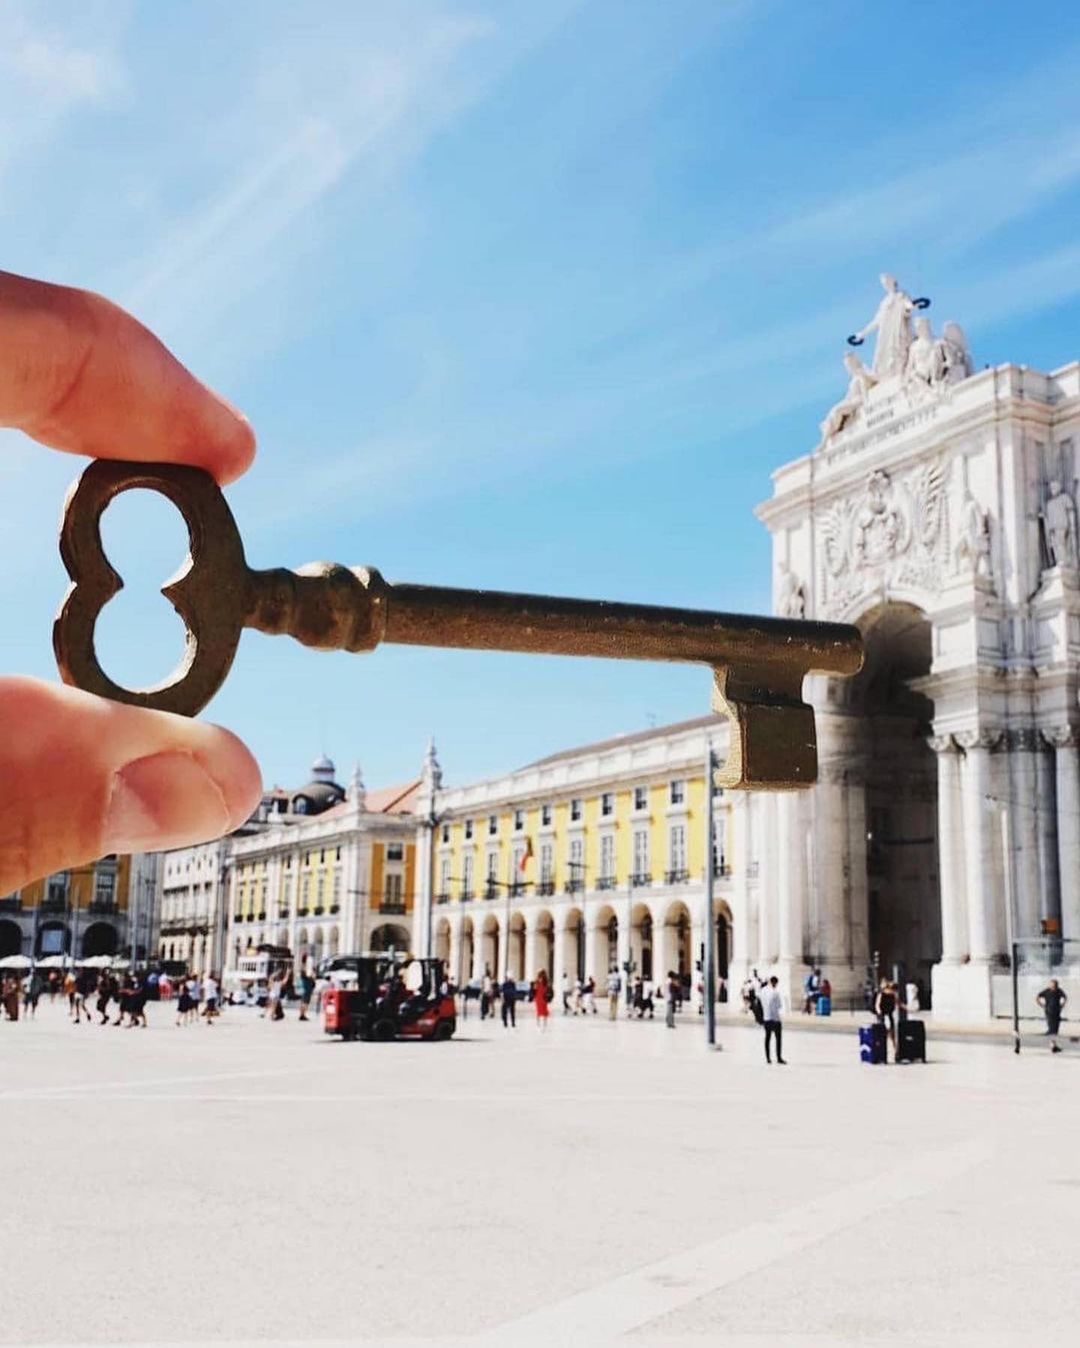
57	888
575	809
678	792
545	814
607	803
466	876
607	857
493	825
641	856
519	820
468	829
446	833
395	851
677	848
575	880
392	890
492	873
444	876
337	853
335	892
641	797
546	861
105	887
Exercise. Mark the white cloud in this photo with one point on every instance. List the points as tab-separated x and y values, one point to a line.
62	74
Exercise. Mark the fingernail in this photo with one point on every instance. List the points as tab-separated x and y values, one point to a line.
164	800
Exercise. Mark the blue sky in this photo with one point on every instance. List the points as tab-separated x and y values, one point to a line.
525	296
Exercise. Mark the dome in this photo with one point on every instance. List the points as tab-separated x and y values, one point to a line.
322	770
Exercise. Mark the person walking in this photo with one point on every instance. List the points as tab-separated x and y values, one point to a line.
105	991
589	1008
672	998
565	987
811	991
614	987
771	1012
1052	999
509	1002
307	989
210	993
647	1003
542	999
485	996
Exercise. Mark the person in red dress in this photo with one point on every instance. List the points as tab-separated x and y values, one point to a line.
541	999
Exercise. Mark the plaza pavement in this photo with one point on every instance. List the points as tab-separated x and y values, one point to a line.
259	1183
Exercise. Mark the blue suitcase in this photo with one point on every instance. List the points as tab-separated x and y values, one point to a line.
824	1006
872	1043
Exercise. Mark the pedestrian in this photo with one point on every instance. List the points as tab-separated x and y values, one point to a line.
771	1008
885	1007
183	1001
34	987
486	988
647	989
105	991
210	992
542	999
672	997
274	1008
307	989
84	990
194	988
614	987
509	1002
811	990
590	996
9	994
1052	999
566	987
69	992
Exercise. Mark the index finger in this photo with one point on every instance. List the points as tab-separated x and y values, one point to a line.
81	375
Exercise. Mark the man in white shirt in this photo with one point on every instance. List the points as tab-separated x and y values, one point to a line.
772	1007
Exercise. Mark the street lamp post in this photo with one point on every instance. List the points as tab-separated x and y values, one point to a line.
710	924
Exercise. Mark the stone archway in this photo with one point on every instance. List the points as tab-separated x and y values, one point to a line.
515	946
642	947
675	943
442	940
491	946
466	952
543	945
386	936
100	938
574	945
10	938
53	938
605	943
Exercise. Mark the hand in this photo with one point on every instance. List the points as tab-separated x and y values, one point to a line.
79	776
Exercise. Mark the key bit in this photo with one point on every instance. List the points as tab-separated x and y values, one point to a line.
758	663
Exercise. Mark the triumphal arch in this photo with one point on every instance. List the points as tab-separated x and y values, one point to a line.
937	512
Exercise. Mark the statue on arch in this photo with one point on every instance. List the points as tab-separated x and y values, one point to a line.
1059	526
790	594
973	546
892	323
860	382
952	355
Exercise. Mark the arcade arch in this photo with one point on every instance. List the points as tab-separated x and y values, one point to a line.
10	939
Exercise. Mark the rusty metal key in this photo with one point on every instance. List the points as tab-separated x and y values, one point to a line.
758	663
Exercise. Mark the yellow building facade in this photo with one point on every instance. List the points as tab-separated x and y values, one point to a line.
84	911
586	861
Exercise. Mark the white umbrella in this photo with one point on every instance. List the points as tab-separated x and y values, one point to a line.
55	962
15	962
97	962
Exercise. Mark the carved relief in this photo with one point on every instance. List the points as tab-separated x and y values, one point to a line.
1059	526
894	533
790	594
973	552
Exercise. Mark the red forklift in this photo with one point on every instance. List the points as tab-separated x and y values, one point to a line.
386	997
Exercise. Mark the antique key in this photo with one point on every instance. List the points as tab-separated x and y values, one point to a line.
758	663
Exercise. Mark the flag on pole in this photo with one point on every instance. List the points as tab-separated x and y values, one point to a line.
526	856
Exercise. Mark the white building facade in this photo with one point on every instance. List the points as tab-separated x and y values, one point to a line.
938	513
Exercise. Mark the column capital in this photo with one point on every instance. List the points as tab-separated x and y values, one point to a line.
979	738
1022	739
1061	736
942	744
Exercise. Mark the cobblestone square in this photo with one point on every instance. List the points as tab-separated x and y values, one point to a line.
258	1182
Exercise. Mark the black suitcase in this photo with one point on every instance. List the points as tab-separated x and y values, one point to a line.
911	1041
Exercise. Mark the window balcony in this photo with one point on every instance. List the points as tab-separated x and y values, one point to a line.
103	905
466	894
442	898
722	872
545	888
12	904
54	905
392	906
606	882
574	886
676	877
517	889
640	879
318	910
491	891
303	911
283	914
335	908
262	916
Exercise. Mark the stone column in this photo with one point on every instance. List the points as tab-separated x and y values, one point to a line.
559	935
1024	747
954	920
768	872
791	890
1045	793
1065	741
740	861
479	942
979	837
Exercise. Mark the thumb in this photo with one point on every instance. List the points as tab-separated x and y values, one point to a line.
81	777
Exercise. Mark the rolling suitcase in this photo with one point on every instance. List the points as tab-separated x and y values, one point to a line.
872	1043
911	1041
824	1006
